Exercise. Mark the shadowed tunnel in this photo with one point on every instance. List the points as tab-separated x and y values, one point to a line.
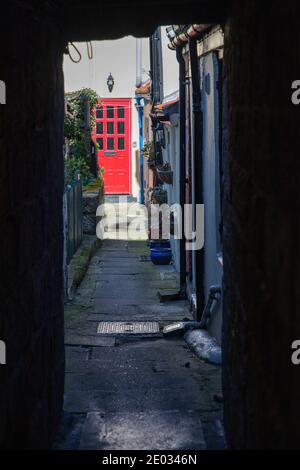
260	208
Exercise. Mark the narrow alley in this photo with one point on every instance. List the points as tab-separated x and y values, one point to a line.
190	110
134	391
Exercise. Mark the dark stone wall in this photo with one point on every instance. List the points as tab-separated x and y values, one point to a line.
107	19
33	34
261	226
31	186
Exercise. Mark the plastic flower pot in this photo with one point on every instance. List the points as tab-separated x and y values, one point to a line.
158	244
162	256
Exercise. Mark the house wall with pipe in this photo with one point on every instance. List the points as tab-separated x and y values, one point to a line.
211	174
171	156
209	52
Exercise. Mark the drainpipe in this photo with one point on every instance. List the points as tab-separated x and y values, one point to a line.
194	31
140	114
182	172
197	169
138	62
157	92
156	66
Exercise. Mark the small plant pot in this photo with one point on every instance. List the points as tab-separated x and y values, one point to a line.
161	256
158	244
166	176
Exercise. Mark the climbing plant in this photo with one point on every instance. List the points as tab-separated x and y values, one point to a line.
77	130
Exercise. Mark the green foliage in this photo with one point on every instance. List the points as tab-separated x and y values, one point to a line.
148	151
78	165
77	135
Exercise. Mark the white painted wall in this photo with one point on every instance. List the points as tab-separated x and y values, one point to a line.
117	57
170	65
171	152
213	270
172	156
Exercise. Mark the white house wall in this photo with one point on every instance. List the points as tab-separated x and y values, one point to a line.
170	66
117	57
171	155
211	183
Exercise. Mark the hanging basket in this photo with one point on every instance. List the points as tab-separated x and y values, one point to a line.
166	176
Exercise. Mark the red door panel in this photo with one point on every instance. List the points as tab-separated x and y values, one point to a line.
112	133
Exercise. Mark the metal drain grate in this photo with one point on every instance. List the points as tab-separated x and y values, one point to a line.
115	328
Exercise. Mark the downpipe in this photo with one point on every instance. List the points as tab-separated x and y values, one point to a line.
197	168
196	334
214	297
140	111
140	114
182	172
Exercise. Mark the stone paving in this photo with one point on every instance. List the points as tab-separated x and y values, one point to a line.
134	392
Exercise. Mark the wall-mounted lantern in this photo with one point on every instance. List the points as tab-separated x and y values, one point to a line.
110	82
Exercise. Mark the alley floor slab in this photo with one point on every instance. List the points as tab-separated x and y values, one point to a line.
143	431
127	391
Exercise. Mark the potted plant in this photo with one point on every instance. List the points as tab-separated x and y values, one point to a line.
159	195
161	256
148	153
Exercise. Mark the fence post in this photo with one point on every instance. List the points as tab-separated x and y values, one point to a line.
65	255
74	227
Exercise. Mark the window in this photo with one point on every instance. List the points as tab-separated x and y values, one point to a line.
121	143
99	128
110	128
99	113
121	127
110	143
121	112
110	112
100	143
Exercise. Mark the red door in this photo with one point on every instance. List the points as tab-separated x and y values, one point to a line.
112	133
